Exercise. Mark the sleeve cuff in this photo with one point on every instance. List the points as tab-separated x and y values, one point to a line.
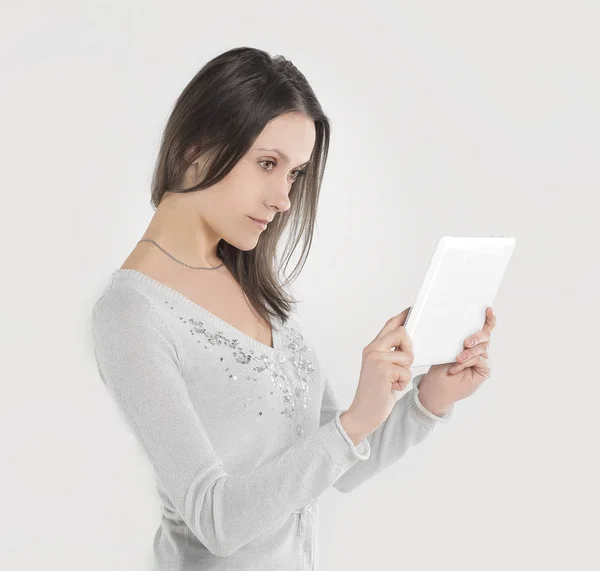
362	450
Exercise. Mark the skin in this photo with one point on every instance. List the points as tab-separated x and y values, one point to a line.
450	382
446	383
190	225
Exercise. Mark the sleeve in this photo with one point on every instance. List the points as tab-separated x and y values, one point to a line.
408	424
137	360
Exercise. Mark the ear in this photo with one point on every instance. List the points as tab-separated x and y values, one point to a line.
199	166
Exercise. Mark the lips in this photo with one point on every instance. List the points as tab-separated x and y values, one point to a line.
259	220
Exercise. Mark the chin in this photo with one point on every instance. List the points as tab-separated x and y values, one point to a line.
243	244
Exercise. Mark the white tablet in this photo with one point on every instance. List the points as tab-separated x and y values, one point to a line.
463	278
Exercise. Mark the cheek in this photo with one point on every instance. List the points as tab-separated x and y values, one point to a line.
243	197
233	197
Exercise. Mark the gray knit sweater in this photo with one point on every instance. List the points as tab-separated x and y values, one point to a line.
243	438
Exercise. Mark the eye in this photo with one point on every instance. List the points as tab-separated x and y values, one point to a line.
299	172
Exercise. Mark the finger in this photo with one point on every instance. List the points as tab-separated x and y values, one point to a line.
472	352
480	364
390	335
483	367
483	335
490	319
479	361
392	323
401	317
397	340
399	358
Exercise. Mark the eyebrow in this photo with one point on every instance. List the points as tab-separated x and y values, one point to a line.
283	155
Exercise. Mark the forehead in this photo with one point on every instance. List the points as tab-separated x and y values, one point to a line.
292	136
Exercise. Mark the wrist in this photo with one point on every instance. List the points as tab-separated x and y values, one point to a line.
432	406
434	409
354	432
429	401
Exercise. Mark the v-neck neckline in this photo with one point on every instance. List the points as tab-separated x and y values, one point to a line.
164	288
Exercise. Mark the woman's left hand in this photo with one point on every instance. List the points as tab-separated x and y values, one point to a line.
450	382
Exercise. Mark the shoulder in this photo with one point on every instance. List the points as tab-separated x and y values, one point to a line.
128	321
121	307
118	298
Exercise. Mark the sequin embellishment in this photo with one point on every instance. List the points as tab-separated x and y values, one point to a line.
303	365
293	342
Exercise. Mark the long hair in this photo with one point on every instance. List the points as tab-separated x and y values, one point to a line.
219	114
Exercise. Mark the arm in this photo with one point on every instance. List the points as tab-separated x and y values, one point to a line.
137	360
408	424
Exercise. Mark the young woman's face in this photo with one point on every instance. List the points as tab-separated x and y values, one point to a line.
259	184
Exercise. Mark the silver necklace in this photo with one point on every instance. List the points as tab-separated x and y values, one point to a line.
174	258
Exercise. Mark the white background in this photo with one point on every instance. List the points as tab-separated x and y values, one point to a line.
458	118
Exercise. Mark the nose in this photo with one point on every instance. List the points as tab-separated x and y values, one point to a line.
281	201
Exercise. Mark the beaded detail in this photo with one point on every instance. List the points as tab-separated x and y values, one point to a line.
293	342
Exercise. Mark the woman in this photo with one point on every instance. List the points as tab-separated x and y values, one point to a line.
197	341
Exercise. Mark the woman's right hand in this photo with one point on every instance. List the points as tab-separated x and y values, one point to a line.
383	371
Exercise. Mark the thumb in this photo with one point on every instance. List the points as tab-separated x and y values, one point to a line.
402	316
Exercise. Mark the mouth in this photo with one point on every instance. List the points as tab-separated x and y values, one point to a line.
260	223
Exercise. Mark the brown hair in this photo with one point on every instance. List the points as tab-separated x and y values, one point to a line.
220	113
